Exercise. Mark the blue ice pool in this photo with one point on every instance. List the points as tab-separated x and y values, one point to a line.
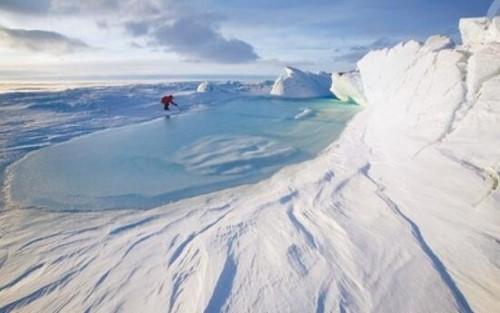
200	151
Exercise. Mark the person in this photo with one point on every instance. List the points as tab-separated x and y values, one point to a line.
167	101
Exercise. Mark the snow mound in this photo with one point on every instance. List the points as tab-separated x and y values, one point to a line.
206	86
348	87
298	84
480	31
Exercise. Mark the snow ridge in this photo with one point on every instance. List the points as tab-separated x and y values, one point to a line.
367	226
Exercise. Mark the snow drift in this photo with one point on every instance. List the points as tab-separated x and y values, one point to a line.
298	84
399	215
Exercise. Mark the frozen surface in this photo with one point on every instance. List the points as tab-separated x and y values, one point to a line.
401	214
295	83
348	87
480	31
190	153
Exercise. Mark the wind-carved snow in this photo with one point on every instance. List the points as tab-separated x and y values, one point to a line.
399	215
230	155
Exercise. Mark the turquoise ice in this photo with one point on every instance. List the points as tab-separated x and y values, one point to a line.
205	149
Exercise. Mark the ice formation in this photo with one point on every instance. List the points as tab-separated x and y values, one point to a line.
399	215
480	31
206	86
348	87
298	84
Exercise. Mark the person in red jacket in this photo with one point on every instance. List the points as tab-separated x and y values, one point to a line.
167	101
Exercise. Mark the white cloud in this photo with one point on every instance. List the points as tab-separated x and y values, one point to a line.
39	41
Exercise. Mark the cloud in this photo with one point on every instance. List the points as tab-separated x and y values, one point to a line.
197	38
39	41
353	54
26	6
137	28
70	7
166	24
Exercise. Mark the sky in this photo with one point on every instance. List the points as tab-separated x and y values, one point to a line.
126	38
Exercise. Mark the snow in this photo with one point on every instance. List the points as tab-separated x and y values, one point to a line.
480	31
206	86
439	42
399	215
483	65
348	87
295	83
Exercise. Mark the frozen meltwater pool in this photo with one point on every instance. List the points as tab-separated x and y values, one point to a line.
200	151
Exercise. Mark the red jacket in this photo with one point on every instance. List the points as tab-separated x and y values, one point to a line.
167	100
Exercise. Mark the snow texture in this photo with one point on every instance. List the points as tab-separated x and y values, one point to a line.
298	84
399	215
480	31
230	155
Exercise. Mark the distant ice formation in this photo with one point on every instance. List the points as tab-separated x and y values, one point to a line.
206	86
299	84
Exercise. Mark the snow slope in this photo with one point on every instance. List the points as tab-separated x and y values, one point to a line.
399	215
298	84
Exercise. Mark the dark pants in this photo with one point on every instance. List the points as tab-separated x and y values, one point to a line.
165	107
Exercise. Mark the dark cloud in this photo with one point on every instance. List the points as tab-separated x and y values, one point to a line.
199	39
39	41
166	24
25	6
137	28
355	53
64	6
102	24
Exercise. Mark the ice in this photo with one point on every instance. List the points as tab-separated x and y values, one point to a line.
483	65
400	214
348	87
206	86
231	155
480	31
304	114
438	42
298	84
187	154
